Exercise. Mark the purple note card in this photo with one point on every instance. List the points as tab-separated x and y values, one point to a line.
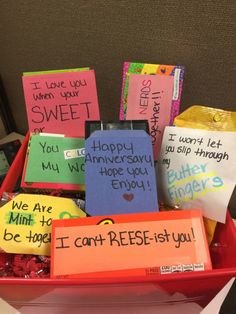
119	173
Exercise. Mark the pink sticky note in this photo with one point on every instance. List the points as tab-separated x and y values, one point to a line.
150	98
61	102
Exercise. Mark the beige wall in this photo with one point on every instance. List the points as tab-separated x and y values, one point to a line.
2	129
42	35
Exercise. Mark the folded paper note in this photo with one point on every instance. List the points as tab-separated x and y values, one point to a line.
126	245
60	102
197	168
119	173
26	222
152	92
207	118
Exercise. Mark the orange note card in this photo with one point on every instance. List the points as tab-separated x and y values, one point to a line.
130	244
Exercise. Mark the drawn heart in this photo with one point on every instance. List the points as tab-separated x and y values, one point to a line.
163	71
128	197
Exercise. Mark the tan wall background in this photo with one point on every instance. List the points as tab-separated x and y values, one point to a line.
42	35
2	129
54	34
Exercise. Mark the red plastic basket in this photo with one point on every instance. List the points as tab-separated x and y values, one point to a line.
69	294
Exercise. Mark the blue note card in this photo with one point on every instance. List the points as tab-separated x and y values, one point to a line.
119	173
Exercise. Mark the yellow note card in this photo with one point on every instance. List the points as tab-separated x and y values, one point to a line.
27	219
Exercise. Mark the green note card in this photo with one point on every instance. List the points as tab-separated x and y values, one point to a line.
55	159
56	71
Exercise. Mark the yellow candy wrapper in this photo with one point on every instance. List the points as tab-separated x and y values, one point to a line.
207	118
